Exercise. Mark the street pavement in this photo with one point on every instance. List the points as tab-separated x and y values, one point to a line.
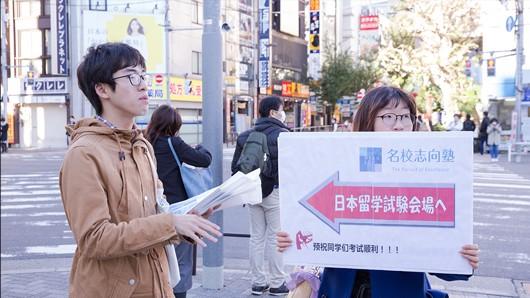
37	244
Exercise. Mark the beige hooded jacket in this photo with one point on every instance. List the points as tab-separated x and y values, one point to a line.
108	192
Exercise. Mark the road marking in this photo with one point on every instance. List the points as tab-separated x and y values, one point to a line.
28	206
31	192
52	249
45	223
30	187
502	185
501	201
27	200
33	214
30	182
482	194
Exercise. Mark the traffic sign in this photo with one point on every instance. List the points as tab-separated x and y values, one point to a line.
510	23
159	78
491	67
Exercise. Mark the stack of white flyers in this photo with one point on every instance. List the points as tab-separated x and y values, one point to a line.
237	190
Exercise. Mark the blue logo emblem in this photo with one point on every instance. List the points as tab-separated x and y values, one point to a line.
371	159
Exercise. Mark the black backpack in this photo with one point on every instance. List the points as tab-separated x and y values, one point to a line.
468	126
255	154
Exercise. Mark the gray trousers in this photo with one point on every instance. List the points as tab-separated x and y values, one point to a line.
264	223
184	252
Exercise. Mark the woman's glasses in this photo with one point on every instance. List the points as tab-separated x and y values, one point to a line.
390	119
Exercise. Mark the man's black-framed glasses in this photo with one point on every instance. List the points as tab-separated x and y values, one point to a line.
390	119
135	78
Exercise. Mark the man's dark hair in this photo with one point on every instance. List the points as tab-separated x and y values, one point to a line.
485	113
269	103
99	65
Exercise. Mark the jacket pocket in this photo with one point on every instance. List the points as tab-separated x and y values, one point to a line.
122	288
122	207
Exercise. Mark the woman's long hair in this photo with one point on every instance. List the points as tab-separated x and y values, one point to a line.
377	99
165	121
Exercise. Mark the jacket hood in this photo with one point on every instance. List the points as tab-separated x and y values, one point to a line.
91	126
267	122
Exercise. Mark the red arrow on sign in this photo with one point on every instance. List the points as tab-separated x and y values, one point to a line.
336	202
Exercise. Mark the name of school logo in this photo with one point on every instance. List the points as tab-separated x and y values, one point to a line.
339	202
371	158
420	155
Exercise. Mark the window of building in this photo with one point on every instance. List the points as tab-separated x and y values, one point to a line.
47	7
195	12
28	8
47	43
29	43
196	62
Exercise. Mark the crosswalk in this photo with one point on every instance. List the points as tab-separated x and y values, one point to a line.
34	224
501	221
33	221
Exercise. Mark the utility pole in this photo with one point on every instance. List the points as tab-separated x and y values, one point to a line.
3	40
167	27
519	10
212	127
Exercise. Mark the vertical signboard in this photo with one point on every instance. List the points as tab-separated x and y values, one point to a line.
264	42
314	32
245	71
369	35
62	38
313	69
491	67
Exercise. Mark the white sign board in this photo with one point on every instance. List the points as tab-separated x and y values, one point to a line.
382	201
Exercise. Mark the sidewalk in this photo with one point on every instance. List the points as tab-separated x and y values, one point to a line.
49	278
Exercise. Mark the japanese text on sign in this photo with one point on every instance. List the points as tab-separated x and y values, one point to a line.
62	38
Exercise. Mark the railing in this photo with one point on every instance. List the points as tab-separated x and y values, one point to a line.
191	132
518	148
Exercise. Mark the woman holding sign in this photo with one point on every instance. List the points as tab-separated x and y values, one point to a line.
383	109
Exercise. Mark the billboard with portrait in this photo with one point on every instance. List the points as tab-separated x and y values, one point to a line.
142	31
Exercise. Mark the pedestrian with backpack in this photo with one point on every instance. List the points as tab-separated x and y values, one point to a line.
258	148
469	125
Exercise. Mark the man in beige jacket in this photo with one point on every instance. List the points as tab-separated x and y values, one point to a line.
108	186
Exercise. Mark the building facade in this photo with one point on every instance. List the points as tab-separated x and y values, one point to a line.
38	86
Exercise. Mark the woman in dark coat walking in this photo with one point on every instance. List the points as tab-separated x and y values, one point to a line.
165	124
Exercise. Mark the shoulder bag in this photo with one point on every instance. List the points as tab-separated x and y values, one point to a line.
162	206
196	180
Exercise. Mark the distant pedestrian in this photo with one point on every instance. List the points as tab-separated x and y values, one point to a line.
4	132
494	138
421	125
334	124
483	132
109	187
164	126
469	125
456	124
265	217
